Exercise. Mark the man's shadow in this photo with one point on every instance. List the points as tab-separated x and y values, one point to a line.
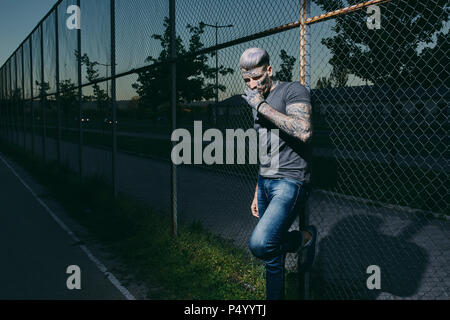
357	242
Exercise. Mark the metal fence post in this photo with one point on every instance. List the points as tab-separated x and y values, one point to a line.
5	102
23	100
14	133
2	110
44	133
8	123
58	106
305	77
10	104
80	104
31	98
2	100
4	129
5	119
16	101
173	103
113	97
4	123
11	123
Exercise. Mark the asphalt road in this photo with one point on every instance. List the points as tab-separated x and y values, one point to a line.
36	251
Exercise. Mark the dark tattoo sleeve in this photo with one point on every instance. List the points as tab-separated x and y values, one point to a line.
296	122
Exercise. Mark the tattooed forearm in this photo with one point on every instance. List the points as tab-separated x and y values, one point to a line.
296	122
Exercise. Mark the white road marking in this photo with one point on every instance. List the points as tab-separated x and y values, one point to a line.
97	262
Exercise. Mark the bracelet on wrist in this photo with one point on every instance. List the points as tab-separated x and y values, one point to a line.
259	105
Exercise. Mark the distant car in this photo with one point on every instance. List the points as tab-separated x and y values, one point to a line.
108	121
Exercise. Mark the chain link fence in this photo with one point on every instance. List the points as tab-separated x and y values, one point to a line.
102	100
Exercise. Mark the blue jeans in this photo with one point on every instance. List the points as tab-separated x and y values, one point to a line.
279	203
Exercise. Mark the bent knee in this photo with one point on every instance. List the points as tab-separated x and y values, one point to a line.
257	247
261	248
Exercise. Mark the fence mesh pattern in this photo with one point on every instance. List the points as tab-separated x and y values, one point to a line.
378	74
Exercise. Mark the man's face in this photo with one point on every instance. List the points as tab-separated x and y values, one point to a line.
259	78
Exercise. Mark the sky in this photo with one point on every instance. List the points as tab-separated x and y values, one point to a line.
17	19
136	22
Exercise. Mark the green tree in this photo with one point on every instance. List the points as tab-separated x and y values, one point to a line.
324	82
42	88
193	72
286	67
389	55
100	96
431	66
337	78
67	99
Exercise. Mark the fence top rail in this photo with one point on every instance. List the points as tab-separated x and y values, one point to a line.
52	9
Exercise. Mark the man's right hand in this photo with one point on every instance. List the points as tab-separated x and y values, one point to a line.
254	207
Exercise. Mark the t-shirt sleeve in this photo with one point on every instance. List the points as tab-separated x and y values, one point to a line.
297	93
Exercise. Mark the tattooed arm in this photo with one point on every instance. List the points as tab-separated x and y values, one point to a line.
296	122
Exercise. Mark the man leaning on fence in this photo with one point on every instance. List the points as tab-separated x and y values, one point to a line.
284	107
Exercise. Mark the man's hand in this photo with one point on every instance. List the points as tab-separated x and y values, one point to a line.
254	207
253	97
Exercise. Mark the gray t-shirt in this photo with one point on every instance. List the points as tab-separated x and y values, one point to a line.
294	156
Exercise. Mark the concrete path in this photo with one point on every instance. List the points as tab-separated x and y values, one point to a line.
36	250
